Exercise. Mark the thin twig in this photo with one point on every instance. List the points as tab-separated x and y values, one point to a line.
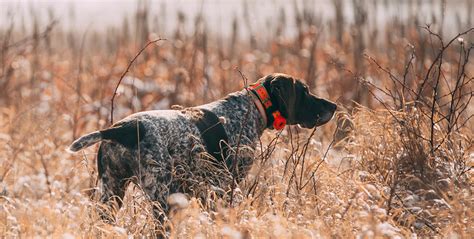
43	34
234	162
123	75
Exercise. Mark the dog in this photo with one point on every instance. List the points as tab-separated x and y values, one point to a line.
207	147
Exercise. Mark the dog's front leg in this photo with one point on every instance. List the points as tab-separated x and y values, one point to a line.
155	177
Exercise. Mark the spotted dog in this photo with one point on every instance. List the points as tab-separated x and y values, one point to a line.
168	151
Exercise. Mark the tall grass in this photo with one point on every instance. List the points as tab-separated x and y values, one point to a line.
396	161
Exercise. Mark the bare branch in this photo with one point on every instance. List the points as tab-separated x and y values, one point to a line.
125	73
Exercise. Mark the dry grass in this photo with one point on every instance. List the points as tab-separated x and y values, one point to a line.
398	165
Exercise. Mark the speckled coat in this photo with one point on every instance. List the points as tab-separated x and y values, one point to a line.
171	157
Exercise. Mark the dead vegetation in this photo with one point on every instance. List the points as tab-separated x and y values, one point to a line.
396	162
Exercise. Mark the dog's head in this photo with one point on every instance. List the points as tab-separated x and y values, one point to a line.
296	103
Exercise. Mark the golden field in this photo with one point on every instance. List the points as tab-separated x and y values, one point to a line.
395	162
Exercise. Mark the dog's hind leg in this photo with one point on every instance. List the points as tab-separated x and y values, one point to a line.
115	164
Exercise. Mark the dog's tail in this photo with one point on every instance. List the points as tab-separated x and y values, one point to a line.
85	141
128	134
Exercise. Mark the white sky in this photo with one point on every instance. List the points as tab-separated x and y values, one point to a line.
219	13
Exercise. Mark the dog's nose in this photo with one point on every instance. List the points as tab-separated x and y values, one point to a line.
328	112
332	106
329	106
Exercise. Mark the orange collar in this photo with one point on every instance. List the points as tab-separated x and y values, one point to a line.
274	116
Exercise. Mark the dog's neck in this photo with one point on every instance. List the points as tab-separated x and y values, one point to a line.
260	108
241	114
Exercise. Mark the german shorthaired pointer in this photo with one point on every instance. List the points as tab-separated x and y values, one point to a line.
199	149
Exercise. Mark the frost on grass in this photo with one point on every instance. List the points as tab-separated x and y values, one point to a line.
376	180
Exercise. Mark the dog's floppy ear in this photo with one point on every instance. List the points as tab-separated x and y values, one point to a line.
283	91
